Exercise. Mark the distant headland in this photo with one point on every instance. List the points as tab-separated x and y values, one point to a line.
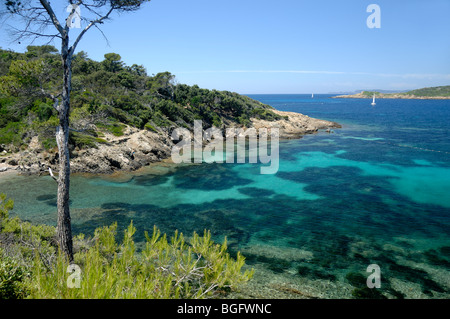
429	93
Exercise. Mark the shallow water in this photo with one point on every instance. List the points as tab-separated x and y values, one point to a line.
374	192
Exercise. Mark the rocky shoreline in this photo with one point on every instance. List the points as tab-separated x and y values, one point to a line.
137	148
391	96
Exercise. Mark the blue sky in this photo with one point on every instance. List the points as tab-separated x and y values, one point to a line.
284	46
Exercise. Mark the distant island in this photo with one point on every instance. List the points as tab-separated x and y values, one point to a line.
429	93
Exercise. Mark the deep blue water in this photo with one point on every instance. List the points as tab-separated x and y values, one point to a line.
375	191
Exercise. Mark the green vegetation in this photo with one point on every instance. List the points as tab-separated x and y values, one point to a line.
432	91
81	140
106	96
31	266
266	114
370	93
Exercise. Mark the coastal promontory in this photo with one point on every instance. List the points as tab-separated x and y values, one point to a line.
121	118
430	93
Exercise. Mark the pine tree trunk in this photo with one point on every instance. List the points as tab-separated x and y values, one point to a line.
64	229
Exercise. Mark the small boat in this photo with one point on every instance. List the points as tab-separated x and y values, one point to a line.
373	101
312	96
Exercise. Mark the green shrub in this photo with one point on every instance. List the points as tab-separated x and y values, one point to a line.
116	128
161	120
266	114
217	122
26	229
150	127
12	274
24	238
43	110
164	269
83	140
244	120
5	206
12	133
12	279
49	143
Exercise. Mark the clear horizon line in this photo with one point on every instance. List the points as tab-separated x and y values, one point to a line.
406	75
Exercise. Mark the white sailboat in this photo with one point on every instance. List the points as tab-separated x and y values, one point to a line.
373	101
312	96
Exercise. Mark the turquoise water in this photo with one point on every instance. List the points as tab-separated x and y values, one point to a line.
374	192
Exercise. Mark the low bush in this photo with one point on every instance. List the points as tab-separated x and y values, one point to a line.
165	268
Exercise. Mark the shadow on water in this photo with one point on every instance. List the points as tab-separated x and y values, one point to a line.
344	235
357	221
202	178
50	199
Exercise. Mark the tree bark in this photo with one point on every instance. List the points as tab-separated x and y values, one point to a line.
64	229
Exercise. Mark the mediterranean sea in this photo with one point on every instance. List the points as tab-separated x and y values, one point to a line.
376	191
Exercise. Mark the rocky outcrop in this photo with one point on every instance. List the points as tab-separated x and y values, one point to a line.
295	125
137	148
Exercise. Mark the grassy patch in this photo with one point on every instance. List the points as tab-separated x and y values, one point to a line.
150	127
117	129
81	140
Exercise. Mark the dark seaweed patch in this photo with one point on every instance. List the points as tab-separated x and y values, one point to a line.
315	274
367	293
43	198
207	177
150	180
256	192
434	258
445	250
356	279
415	275
277	265
361	291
